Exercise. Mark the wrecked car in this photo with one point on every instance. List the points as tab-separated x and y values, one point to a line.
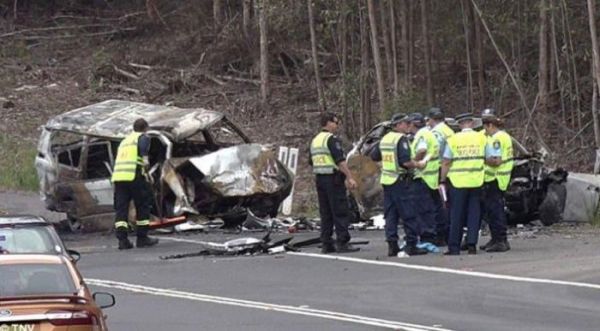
201	165
535	191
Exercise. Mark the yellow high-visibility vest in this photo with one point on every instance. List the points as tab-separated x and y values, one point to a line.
322	161
502	172
444	130
128	159
468	159
431	173
390	169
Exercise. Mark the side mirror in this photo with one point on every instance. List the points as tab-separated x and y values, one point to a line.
104	300
75	256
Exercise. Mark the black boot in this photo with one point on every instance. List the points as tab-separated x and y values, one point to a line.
498	247
393	248
327	248
142	238
411	250
346	248
488	244
124	243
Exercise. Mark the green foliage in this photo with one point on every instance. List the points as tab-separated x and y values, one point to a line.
408	102
17	158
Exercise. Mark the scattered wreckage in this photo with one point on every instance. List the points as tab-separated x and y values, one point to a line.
535	191
202	165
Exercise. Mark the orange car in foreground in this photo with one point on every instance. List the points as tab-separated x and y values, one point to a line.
45	293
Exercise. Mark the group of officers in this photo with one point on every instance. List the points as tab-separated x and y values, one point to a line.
435	180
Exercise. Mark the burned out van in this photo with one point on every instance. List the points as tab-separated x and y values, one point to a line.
200	163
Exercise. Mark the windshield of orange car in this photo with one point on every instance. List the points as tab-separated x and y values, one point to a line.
28	240
35	279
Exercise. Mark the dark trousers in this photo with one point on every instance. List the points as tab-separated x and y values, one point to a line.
441	215
465	209
425	208
398	202
493	210
137	190
333	208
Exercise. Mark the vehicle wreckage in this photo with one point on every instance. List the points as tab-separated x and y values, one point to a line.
201	165
535	191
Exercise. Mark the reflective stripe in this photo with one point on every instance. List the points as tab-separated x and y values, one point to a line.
322	161
121	224
390	169
128	159
142	222
502	172
430	174
468	154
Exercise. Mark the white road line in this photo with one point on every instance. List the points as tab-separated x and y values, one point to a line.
448	270
264	306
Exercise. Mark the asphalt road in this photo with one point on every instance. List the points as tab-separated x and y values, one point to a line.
549	281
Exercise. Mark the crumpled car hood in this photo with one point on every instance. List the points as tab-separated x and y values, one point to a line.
114	119
243	170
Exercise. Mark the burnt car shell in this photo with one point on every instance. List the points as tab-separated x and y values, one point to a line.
535	191
200	162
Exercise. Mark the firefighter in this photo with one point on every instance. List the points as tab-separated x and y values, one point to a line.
425	147
441	131
463	164
129	178
398	198
497	178
328	162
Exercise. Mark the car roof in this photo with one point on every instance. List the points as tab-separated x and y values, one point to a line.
114	119
22	220
31	259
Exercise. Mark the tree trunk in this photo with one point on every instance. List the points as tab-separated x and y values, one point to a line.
246	18
376	55
386	43
575	111
344	69
217	12
404	39
264	53
315	60
411	40
393	39
426	51
543	57
596	64
364	73
480	67
464	5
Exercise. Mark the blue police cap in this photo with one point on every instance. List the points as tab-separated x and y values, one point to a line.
399	117
435	113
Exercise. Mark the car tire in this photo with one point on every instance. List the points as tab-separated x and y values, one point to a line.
551	209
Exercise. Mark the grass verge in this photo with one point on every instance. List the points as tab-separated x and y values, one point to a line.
17	169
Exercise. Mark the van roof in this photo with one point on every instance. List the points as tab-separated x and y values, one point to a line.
114	119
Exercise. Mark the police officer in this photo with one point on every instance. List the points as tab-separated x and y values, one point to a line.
497	178
441	131
463	165
398	198
332	177
425	147
130	184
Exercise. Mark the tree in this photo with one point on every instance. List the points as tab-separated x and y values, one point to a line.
246	18
264	52
217	12
315	60
596	66
427	52
543	89
376	55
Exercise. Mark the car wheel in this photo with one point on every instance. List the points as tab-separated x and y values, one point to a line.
551	209
353	209
74	224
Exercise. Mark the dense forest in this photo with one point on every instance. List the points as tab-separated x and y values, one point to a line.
535	61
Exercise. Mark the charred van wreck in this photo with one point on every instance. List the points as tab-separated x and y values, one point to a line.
200	163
